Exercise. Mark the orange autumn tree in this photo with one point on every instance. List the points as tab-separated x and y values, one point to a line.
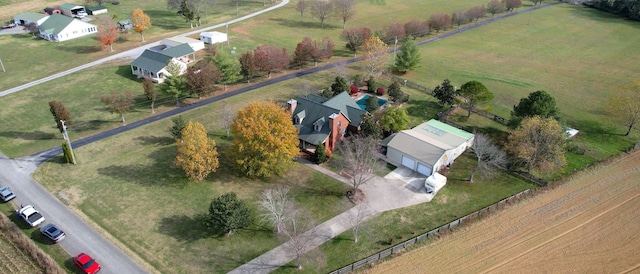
108	31
264	140
197	154
140	21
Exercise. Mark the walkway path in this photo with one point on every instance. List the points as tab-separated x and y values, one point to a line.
381	195
133	53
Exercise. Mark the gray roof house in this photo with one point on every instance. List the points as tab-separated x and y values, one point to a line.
428	147
324	120
58	28
152	64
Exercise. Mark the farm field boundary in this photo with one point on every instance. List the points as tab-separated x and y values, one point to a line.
592	217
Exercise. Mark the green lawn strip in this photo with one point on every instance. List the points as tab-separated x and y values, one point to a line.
458	198
140	198
33	58
54	250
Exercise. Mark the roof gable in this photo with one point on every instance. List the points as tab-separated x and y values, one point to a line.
152	61
415	147
440	134
69	6
178	51
56	23
32	16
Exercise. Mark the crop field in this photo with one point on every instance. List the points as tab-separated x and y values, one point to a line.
12	260
588	224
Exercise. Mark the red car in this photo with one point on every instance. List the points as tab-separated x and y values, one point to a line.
86	263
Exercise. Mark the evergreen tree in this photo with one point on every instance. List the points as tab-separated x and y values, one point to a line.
179	124
408	57
339	86
321	154
370	126
229	68
372	104
445	92
228	214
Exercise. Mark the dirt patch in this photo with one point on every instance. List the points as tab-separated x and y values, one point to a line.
589	224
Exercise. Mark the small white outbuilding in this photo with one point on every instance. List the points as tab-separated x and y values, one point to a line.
213	37
435	182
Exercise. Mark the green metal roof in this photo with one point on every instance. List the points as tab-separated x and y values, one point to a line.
31	16
69	6
124	22
453	130
97	8
178	51
55	23
152	61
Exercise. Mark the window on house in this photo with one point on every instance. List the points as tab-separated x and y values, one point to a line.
343	131
317	127
339	124
296	120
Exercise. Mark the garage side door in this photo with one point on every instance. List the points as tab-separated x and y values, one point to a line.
424	169
408	162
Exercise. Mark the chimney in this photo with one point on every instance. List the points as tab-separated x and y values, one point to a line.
291	106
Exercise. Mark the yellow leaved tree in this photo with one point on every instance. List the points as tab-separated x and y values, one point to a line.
140	21
375	54
624	106
264	140
197	154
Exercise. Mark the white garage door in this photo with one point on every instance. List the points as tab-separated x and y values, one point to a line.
408	162
423	169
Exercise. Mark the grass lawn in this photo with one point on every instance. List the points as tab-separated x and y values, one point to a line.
33	58
458	198
136	194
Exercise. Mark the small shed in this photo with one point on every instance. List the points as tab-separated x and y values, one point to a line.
213	37
73	10
125	24
27	18
97	10
196	45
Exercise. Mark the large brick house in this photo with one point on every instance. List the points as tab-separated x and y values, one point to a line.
324	120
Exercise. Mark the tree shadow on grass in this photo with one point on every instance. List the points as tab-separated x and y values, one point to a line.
155	140
80	49
89	125
423	108
146	175
305	24
33	135
185	229
165	19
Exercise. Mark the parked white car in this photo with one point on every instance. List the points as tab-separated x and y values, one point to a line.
30	215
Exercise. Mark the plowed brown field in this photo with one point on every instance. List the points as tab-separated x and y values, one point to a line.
590	224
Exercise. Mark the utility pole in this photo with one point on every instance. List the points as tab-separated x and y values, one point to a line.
66	137
2	65
395	48
227	25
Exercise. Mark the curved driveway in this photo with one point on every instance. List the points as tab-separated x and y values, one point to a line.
82	237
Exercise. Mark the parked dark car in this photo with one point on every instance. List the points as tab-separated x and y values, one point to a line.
52	233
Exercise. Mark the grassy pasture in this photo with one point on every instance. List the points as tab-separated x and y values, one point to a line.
34	58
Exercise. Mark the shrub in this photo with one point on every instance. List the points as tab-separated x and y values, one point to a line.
321	154
357	80
380	91
371	85
354	89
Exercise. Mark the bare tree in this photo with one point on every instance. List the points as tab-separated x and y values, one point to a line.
227	114
357	215
300	232
490	157
301	7
359	159
346	9
321	10
275	205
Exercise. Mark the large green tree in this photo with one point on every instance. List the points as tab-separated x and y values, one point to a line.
370	126
174	86
445	92
230	69
197	154
227	213
408	57
394	119
264	140
475	93
539	103
339	85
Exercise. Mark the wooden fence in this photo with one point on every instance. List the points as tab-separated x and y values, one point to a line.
433	233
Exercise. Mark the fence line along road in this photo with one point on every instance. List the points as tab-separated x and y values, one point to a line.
132	53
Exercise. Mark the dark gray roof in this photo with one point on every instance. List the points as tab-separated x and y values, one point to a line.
314	108
152	61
